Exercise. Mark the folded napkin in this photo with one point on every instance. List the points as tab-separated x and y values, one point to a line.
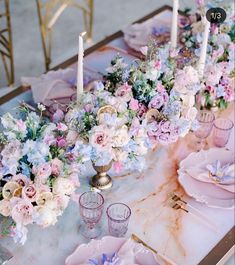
214	173
54	85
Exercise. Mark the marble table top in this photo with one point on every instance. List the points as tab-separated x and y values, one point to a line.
180	236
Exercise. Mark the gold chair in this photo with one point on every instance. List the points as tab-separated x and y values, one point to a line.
6	50
48	13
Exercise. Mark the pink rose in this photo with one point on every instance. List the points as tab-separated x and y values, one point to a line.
124	92
5	207
229	93
100	137
29	193
49	140
61	142
21	179
58	116
163	138
22	212
134	104
160	88
42	172
153	130
56	166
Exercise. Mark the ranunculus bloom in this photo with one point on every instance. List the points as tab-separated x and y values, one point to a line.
56	166
101	138
142	110
29	193
22	212
61	127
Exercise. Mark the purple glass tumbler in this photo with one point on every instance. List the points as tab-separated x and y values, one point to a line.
91	209
118	218
221	131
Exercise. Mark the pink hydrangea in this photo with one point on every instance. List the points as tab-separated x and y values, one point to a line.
134	104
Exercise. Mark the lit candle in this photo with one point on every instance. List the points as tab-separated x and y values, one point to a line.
202	59
174	24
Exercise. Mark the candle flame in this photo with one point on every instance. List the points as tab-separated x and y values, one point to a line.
82	34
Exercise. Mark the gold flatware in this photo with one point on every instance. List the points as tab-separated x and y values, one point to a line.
140	241
178	203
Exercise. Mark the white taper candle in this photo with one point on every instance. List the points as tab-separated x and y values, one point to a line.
80	65
202	59
174	24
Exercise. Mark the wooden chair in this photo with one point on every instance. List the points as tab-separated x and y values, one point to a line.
6	51
48	13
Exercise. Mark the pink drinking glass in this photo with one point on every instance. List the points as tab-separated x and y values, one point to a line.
221	131
205	119
91	209
118	218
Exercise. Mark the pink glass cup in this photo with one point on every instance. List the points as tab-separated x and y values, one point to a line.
91	209
221	131
118	218
205	119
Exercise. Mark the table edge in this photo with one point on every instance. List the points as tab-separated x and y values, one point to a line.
228	241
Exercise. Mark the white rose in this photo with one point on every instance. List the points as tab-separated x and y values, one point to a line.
63	186
5	207
120	155
121	137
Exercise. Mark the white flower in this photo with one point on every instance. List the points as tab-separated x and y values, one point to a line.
46	215
5	207
8	121
63	186
41	107
121	137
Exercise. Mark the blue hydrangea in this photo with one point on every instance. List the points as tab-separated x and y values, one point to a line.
220	91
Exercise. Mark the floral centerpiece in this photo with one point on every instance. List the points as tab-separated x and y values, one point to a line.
218	81
36	179
162	95
108	130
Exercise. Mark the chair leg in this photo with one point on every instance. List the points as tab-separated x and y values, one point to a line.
6	46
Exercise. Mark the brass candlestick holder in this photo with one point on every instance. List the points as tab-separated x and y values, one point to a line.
102	180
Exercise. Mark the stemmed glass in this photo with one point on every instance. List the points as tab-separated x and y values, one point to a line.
205	119
221	131
91	209
118	218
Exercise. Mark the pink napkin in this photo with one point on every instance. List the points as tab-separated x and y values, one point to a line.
54	85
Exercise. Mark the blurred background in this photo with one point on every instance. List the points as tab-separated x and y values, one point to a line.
109	16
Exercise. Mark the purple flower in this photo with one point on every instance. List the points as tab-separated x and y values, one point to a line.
156	102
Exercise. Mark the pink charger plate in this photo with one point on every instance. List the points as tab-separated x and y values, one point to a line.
108	245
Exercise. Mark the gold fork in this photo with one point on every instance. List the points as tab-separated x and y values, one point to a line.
140	241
